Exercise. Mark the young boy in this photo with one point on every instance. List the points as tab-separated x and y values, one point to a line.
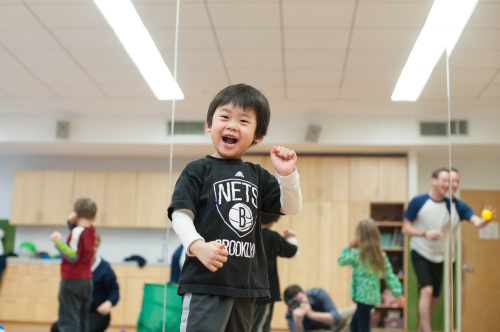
75	294
216	210
274	245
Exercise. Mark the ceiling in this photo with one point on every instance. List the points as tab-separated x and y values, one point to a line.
61	55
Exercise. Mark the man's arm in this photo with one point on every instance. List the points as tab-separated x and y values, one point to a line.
331	315
432	234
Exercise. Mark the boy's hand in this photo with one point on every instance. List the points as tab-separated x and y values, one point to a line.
283	160
72	218
353	243
105	307
211	254
401	301
289	233
56	236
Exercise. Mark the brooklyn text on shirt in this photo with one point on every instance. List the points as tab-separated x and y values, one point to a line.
235	199
238	248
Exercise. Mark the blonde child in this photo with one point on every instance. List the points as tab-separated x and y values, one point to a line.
370	264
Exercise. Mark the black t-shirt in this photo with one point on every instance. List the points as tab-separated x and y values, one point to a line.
275	245
226	197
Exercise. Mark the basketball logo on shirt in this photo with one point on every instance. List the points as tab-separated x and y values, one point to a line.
235	200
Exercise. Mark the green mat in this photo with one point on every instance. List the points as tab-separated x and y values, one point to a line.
151	316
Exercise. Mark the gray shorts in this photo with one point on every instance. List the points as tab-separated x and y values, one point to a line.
214	313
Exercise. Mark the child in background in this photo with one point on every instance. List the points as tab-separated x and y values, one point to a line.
75	294
370	264
216	208
274	245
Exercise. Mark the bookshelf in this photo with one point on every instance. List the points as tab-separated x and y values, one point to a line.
389	219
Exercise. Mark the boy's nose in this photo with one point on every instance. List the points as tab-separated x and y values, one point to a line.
231	126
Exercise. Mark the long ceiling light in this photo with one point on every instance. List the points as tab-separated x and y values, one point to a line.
442	30
123	18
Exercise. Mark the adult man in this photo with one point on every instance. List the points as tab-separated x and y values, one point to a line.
313	310
424	220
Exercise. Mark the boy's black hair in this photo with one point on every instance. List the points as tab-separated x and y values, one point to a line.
85	207
291	292
246	97
267	218
435	174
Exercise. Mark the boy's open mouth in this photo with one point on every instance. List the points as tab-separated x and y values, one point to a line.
229	139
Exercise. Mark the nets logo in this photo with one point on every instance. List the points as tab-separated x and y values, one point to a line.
235	200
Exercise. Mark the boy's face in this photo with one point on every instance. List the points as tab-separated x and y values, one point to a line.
232	131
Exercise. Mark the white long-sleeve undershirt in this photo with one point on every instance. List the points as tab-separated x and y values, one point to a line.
290	199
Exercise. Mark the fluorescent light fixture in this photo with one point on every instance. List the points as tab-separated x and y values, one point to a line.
442	30
123	18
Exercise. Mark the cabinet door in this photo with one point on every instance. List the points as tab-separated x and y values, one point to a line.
311	182
91	184
119	208
393	179
118	311
364	179
152	200
56	197
26	198
46	310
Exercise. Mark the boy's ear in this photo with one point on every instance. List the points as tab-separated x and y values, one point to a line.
258	139
207	128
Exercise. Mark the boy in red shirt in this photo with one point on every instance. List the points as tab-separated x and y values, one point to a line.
75	294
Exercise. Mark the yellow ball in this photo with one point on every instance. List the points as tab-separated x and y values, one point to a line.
486	214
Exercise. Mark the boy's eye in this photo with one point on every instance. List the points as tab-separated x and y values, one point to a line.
224	116
245	121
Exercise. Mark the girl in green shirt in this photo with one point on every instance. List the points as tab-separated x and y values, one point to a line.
370	264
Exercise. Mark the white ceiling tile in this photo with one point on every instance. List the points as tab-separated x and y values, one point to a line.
272	92
54	1
313	76
249	39
492	91
70	15
45	59
207	91
116	76
464	91
471	76
479	39
253	59
384	39
192	59
245	14
7	61
497	78
28	40
4	95
367	91
201	76
62	76
16	76
371	76
189	39
314	59
392	14
28	91
434	92
318	14
103	59
88	39
14	17
474	59
256	77
486	15
317	39
377	59
163	15
312	92
128	91
77	91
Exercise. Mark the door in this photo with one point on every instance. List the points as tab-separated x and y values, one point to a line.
480	290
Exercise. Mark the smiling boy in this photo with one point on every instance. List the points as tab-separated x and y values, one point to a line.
216	209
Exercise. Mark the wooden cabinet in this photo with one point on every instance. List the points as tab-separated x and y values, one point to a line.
123	199
29	292
91	184
27	198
